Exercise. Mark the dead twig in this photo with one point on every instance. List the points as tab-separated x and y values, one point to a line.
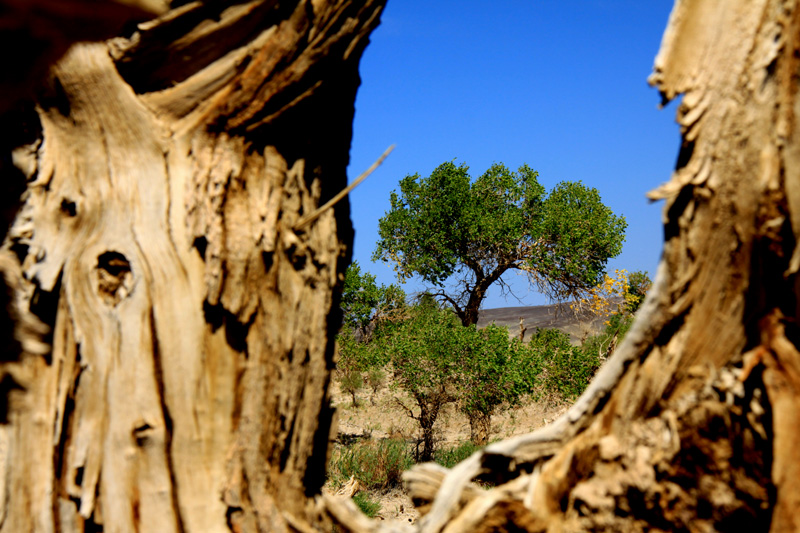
311	217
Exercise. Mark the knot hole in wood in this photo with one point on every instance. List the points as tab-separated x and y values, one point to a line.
114	277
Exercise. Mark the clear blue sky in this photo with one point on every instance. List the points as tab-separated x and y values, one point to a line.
559	85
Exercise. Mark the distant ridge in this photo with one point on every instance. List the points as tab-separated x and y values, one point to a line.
558	316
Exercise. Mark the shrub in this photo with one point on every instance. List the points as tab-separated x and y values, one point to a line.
491	377
436	360
425	351
558	366
570	371
368	506
621	294
351	382
603	345
348	371
376	465
375	379
449	457
638	285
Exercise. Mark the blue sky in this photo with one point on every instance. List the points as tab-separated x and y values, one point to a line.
559	85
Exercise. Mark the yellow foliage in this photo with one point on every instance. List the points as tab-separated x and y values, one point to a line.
609	297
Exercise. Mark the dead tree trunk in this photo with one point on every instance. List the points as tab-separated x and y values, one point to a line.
193	316
694	423
34	34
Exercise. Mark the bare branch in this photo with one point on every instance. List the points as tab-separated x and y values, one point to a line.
308	219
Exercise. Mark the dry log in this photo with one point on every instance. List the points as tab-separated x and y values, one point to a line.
192	319
34	34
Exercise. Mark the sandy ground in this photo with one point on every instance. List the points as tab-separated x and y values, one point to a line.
378	416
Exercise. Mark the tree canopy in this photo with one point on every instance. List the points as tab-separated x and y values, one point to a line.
363	300
447	226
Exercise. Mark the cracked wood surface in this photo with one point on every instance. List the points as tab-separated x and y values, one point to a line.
187	386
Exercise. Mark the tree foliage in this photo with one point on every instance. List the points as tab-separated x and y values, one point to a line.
360	297
425	351
561	368
620	294
495	373
435	360
447	226
351	363
638	284
364	301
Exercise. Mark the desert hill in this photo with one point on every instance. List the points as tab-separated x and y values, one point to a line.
558	316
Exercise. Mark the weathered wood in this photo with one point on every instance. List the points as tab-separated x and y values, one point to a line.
34	34
164	238
193	322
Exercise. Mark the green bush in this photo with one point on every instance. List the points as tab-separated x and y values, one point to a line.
425	351
492	377
368	506
350	365
449	457
604	344
363	301
570	371
351	382
377	465
376	376
558	366
638	285
436	360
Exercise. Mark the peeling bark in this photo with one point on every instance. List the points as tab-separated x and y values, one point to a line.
187	388
36	32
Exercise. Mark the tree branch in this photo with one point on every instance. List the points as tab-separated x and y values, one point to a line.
308	219
408	410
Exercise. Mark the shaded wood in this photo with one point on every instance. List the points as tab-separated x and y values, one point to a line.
193	321
34	35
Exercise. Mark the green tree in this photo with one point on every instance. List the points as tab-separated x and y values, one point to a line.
436	360
448	227
638	285
363	300
351	362
496	372
363	303
360	297
425	353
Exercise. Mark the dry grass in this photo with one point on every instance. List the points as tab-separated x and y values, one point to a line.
378	417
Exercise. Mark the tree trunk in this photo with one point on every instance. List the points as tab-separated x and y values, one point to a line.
34	35
480	427
193	311
428	414
694	422
477	294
